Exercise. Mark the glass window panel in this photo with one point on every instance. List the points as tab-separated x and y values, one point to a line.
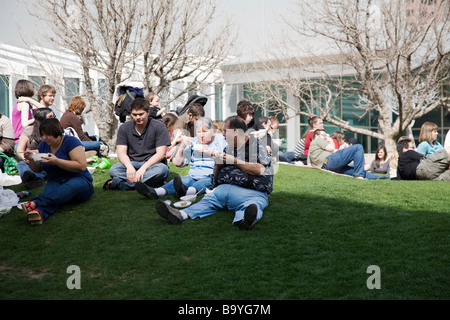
37	82
4	95
72	88
433	116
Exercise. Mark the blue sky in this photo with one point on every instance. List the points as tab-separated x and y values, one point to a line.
256	20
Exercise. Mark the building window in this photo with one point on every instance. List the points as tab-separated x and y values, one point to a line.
4	95
72	86
37	82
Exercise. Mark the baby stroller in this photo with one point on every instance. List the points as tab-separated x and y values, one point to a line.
192	99
124	95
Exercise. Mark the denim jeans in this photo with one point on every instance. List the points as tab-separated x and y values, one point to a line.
23	167
92	145
340	160
55	194
286	156
229	197
200	185
153	177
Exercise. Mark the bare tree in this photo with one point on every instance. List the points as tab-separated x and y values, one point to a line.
178	43
101	34
392	56
153	41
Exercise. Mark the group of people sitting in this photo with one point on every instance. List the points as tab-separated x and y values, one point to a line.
47	152
233	166
231	162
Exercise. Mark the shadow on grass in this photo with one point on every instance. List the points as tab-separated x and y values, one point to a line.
307	246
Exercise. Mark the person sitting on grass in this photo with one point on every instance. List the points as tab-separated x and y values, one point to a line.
141	148
413	165
199	155
323	154
428	143
29	141
243	181
68	179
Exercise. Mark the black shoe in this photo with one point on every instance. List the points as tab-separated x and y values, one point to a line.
172	215
28	176
145	190
250	214
36	183
180	188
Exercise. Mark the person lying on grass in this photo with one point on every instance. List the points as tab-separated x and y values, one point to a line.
323	155
68	179
413	165
198	153
243	181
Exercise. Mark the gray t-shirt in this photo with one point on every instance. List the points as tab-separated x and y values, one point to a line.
142	147
317	152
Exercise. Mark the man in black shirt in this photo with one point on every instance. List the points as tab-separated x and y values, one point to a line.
141	148
243	180
414	166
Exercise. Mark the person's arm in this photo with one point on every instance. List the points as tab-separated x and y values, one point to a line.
22	146
255	169
76	125
77	162
6	134
159	156
331	146
125	160
34	104
24	109
178	157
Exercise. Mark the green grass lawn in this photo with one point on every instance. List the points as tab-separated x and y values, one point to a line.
316	240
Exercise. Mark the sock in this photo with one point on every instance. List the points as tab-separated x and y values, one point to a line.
161	192
184	215
191	191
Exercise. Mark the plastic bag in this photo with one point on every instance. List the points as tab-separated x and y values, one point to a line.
8	199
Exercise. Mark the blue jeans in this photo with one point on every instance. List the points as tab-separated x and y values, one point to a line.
154	176
286	156
55	194
229	197
23	167
340	160
92	145
200	185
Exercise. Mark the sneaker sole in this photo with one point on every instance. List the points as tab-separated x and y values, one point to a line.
164	212
250	214
179	187
142	189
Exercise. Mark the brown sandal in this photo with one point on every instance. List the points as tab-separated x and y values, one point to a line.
34	217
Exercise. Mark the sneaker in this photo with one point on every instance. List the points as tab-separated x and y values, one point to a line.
180	188
172	215
145	190
33	184
249	220
28	176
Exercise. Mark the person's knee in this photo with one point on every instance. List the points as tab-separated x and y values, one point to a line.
447	148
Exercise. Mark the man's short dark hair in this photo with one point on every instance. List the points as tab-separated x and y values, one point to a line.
317	132
140	104
403	143
197	110
235	122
